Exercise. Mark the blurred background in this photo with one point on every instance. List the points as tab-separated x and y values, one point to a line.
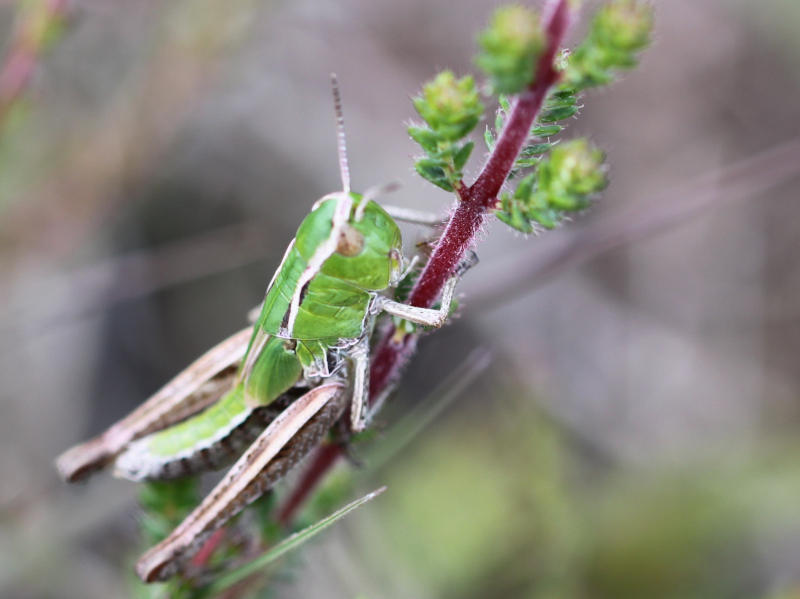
635	433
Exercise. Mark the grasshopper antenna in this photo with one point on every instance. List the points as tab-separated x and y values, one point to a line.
344	169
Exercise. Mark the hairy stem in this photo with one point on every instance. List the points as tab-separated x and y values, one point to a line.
459	234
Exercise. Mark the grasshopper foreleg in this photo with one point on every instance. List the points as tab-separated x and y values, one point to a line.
428	316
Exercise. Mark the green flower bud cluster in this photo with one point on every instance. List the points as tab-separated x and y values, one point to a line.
620	30
451	109
510	48
565	182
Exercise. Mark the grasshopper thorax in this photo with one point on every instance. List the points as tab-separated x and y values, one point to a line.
358	241
346	250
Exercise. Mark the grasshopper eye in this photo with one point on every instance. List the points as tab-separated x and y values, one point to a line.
351	242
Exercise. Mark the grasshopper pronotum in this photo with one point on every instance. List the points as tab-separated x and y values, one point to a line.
272	390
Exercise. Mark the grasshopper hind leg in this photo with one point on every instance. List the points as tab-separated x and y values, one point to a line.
280	447
203	383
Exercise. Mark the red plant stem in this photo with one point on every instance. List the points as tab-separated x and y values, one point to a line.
459	234
324	458
201	558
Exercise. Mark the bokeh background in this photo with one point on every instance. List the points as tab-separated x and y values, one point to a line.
635	432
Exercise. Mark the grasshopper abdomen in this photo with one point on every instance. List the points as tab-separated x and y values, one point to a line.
139	462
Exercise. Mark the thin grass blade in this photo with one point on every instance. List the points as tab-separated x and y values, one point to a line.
290	543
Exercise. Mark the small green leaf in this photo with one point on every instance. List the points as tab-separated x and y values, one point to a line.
548	219
504	103
434	173
499	119
558	114
525	188
431	167
562	98
488	138
536	149
562	94
516	220
525	163
424	137
444	184
506	200
462	155
567	203
544	131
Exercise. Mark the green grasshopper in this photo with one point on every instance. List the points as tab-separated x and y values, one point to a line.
273	389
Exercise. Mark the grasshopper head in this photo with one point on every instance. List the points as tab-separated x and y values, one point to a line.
364	243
